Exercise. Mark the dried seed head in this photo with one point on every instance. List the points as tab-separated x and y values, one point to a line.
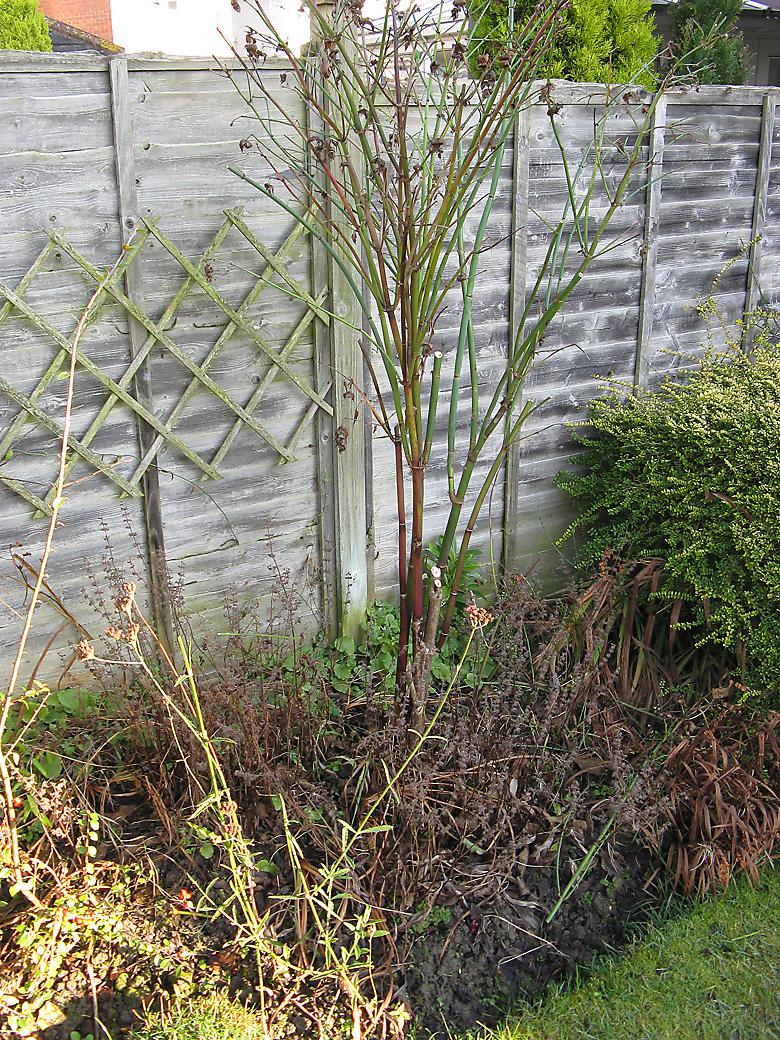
131	636
126	598
724	873
85	651
114	633
478	616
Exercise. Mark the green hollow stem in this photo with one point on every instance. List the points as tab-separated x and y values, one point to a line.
529	343
466	331
433	405
479	502
403	637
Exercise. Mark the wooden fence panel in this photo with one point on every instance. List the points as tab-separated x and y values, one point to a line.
770	271
237	408
188	125
57	170
595	335
709	181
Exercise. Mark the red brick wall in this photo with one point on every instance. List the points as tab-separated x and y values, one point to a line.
93	16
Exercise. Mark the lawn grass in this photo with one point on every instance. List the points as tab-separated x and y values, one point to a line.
213	1016
711	974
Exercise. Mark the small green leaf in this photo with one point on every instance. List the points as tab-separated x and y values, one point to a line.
49	765
473	847
70	700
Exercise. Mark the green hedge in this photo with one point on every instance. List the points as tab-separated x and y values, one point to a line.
707	34
691	474
23	27
594	41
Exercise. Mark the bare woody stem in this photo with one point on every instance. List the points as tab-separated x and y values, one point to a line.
403	637
421	670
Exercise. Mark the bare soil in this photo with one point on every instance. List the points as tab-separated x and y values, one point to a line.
467	970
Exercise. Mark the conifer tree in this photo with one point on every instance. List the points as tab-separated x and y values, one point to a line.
23	27
707	33
596	41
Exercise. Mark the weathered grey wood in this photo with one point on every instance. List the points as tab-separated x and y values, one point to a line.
754	271
325	426
40	416
343	356
60	156
242	323
214	352
85	361
33	61
129	219
173	63
154	331
518	275
644	357
39	123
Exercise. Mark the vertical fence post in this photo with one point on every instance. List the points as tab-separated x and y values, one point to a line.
521	164
755	258
129	221
644	356
324	424
339	348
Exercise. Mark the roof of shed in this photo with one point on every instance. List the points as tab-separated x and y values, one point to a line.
65	37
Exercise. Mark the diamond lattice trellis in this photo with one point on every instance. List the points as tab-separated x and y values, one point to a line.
121	390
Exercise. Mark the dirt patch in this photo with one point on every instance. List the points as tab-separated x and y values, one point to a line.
466	967
465	960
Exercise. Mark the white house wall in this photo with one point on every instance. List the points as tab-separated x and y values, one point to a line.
199	27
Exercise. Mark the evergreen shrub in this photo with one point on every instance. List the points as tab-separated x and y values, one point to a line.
690	473
594	41
707	34
23	27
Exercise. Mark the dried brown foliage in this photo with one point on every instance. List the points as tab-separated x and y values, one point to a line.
585	727
723	783
636	642
577	724
712	753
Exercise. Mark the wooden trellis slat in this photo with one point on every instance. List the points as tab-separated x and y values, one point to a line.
233	219
25	493
164	340
138	360
261	388
245	326
273	262
88	365
275	275
10	435
28	278
44	419
308	417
